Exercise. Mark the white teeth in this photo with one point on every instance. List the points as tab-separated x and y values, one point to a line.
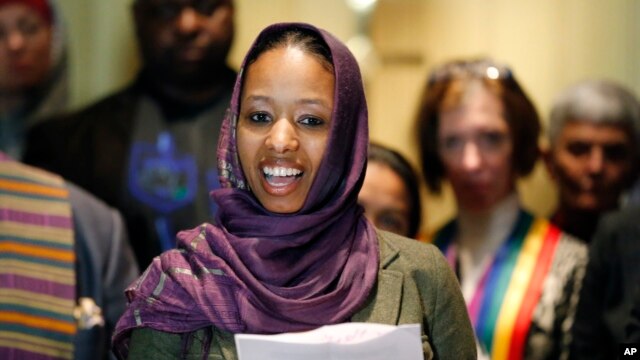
281	171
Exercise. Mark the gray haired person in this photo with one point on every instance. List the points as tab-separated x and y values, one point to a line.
594	148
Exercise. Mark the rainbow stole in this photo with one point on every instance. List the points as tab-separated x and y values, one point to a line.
37	265
503	305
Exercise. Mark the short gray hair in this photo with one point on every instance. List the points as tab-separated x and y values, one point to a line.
600	102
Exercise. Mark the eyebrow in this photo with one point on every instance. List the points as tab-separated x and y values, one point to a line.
263	98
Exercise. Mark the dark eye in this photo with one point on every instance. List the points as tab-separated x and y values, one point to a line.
392	222
616	152
206	7
29	27
452	143
491	140
579	148
259	117
165	11
311	121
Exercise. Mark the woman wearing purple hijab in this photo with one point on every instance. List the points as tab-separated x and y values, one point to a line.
291	249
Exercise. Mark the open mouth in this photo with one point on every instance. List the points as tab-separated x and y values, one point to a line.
281	176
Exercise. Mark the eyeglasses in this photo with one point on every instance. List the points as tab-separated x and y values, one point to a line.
483	68
487	142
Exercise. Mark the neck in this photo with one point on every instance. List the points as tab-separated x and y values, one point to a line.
579	223
188	93
190	96
476	226
480	235
11	103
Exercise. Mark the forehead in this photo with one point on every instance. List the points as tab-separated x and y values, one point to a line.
586	131
182	2
16	11
477	108
288	66
383	183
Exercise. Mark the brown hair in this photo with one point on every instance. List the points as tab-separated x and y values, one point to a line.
444	89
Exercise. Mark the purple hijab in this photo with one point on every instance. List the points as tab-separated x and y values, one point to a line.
262	272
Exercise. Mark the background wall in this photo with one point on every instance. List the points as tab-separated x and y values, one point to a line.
549	44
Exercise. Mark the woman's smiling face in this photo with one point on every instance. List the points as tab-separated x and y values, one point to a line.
283	127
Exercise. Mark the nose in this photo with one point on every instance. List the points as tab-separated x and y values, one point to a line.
282	137
187	21
15	40
471	157
596	160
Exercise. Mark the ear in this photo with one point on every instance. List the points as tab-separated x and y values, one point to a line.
547	156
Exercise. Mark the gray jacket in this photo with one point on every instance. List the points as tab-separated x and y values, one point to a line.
105	267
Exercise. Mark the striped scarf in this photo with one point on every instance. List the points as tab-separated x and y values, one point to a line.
502	307
37	259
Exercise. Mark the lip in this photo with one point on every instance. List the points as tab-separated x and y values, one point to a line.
477	186
278	185
19	66
190	53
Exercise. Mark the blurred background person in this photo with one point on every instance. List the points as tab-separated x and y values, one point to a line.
150	149
611	285
64	264
520	275
33	68
390	193
594	152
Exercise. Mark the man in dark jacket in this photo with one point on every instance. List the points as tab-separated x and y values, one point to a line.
611	288
150	149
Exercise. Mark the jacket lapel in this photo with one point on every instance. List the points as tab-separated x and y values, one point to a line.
383	305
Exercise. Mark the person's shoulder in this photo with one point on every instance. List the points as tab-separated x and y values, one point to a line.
122	100
624	218
617	230
569	249
95	222
411	252
83	201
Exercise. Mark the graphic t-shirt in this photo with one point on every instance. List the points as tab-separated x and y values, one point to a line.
172	168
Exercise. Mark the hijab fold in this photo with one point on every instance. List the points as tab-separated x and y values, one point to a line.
260	272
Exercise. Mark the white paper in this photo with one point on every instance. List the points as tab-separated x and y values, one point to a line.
347	341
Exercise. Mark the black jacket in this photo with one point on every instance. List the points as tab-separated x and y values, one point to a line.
91	148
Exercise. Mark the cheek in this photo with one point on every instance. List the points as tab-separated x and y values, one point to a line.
246	151
315	148
450	167
567	165
619	173
42	52
155	39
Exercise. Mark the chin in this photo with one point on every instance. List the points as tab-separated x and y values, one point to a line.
590	205
285	208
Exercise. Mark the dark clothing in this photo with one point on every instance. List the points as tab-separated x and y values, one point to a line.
611	284
100	148
633	328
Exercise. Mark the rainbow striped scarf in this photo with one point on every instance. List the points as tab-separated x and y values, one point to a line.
37	265
502	307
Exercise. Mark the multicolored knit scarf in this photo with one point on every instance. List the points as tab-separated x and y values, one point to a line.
506	297
37	259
